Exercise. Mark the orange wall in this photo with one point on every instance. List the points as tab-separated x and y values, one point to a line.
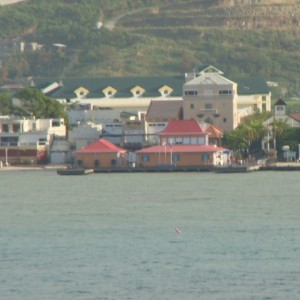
88	160
186	159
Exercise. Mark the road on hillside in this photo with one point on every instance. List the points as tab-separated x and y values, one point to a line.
9	2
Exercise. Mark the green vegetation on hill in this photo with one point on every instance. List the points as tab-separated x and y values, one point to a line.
34	103
153	37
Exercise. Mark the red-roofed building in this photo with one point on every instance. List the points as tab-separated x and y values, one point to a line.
183	143
215	135
101	154
186	132
183	156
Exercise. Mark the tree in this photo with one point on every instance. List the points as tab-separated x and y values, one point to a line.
37	104
5	104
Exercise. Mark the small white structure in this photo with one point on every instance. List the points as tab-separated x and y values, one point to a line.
84	134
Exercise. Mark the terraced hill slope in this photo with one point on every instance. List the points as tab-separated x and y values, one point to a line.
154	37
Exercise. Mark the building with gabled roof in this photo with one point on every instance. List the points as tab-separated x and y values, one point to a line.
183	156
186	132
211	98
215	135
280	113
207	95
97	90
157	117
101	154
183	143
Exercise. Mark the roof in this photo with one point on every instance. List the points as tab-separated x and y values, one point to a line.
280	102
252	86
214	131
123	85
295	116
182	149
209	78
151	85
183	127
164	110
101	145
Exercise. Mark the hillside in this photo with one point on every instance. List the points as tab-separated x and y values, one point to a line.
162	37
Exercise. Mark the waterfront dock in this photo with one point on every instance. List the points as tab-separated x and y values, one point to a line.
74	171
238	169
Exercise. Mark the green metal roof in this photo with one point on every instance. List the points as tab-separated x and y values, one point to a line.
252	86
123	85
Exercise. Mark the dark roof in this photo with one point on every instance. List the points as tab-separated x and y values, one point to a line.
162	110
252	86
280	102
123	85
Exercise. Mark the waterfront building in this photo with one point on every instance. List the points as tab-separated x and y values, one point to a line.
101	154
183	143
28	141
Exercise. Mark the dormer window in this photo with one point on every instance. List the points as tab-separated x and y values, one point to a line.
165	90
109	92
137	91
81	92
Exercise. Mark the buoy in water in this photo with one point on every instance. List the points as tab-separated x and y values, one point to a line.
177	230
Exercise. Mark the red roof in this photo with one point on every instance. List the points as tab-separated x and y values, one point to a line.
183	127
101	145
295	116
182	149
214	131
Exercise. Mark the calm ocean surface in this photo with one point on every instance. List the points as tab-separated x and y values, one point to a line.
112	236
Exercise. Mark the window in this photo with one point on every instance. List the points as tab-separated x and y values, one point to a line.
208	106
225	120
97	163
192	106
12	140
191	93
205	157
176	157
225	92
209	121
5	128
145	158
55	123
16	127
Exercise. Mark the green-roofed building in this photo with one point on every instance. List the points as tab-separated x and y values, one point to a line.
119	97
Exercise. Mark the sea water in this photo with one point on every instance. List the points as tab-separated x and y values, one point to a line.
113	236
